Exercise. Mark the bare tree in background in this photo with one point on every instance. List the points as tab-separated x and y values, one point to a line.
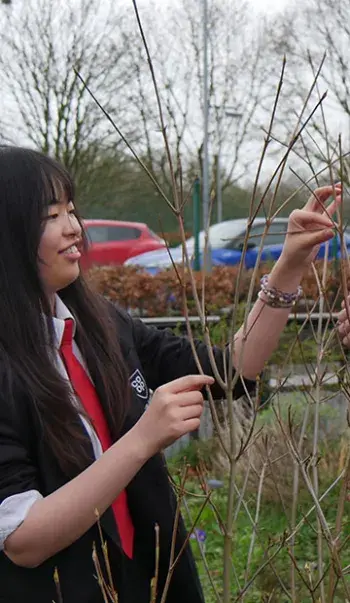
237	84
306	32
44	103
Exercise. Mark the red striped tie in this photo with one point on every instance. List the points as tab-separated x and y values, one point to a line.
86	393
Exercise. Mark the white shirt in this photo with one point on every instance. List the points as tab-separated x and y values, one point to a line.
14	509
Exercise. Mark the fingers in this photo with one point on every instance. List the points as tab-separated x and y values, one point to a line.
319	237
344	328
332	207
190	398
343	322
346	341
319	197
346	302
191	412
308	218
187	384
192	425
344	332
315	228
344	314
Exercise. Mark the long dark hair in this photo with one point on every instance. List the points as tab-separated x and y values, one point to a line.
28	181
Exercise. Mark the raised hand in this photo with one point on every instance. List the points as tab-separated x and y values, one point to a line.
175	410
343	325
311	226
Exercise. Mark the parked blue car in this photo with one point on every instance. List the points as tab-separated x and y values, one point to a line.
227	240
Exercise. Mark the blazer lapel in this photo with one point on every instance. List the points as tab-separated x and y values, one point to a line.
107	520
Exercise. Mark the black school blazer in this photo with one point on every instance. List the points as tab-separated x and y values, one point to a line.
153	357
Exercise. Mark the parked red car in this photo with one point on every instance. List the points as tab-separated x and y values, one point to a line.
114	241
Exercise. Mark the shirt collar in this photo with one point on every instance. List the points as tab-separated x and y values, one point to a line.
61	314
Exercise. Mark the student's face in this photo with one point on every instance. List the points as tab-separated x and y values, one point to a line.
58	253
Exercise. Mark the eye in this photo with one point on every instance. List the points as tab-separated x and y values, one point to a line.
50	217
72	212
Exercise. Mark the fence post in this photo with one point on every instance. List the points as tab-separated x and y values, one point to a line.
196	223
196	260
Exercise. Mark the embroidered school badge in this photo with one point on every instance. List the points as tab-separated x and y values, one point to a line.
139	384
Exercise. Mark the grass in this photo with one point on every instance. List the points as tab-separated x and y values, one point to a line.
273	527
274	519
273	583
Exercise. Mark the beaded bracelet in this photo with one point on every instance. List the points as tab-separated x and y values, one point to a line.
277	298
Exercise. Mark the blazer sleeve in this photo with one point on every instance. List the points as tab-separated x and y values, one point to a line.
165	356
19	487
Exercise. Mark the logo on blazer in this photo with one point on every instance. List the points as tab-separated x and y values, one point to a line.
139	384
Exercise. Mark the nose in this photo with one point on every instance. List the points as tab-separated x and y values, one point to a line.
71	227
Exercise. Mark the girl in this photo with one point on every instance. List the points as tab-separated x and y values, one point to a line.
76	436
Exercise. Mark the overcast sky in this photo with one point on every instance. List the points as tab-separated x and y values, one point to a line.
269	5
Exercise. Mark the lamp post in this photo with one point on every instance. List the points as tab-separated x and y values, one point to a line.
233	115
205	183
218	188
196	223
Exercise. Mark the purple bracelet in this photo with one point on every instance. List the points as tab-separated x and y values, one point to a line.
277	298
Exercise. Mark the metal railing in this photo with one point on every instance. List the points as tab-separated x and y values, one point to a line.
175	321
291	383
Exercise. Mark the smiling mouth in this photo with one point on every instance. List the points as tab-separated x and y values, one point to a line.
73	249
